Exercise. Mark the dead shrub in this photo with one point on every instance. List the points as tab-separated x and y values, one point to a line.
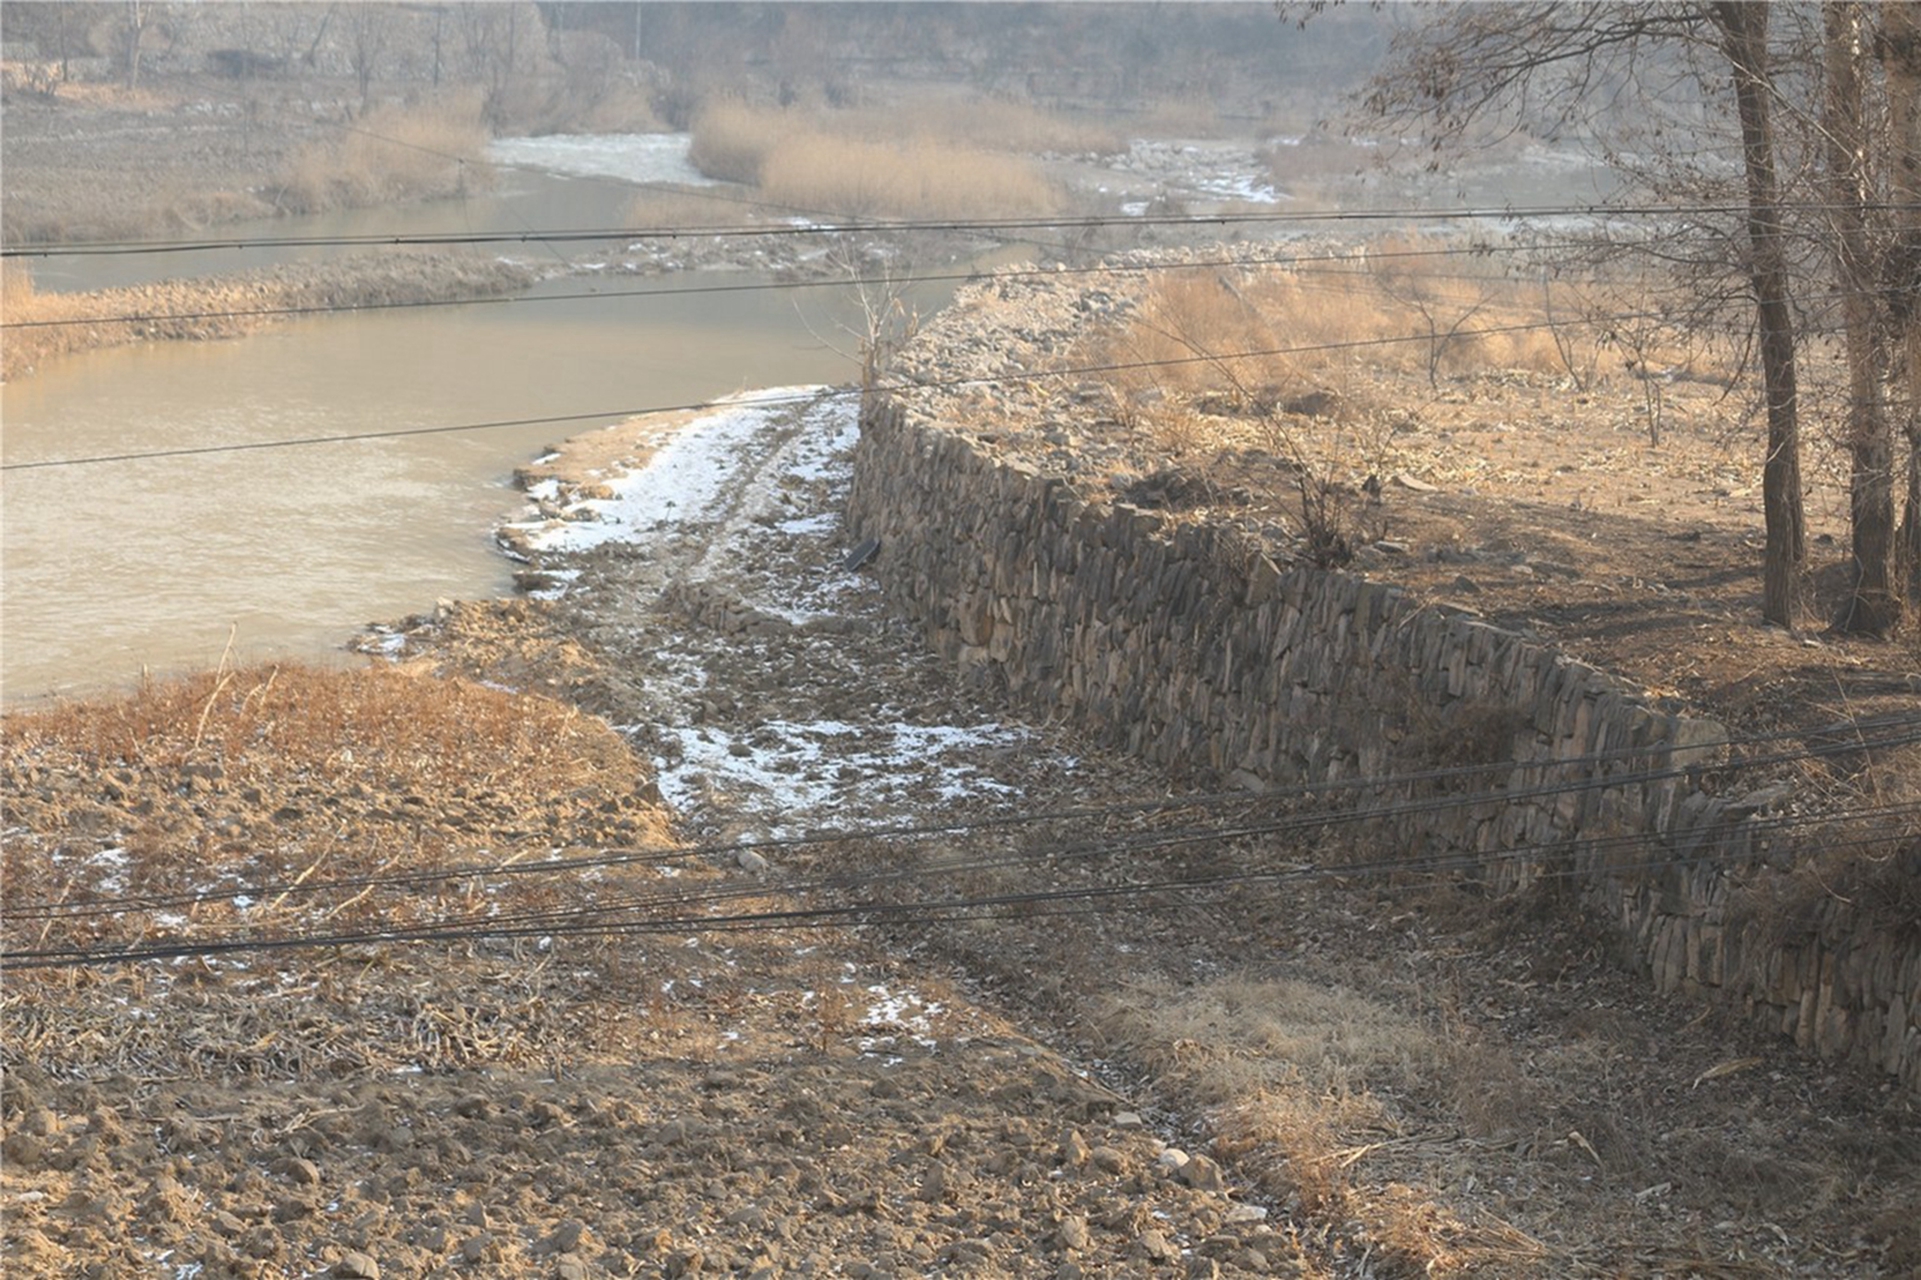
731	140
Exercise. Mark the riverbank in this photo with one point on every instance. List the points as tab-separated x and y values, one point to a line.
46	326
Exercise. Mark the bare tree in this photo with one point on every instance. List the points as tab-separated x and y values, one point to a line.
1445	312
1744	33
1872	607
1480	72
1900	50
367	32
491	37
140	24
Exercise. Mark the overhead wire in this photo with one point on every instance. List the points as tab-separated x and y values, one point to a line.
1138	842
598	920
1837	738
885	387
1481	250
1084	223
1294	263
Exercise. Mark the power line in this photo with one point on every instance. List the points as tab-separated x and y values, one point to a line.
1088	223
595	920
1842	738
1294	262
935	384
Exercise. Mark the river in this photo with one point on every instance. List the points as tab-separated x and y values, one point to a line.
112	569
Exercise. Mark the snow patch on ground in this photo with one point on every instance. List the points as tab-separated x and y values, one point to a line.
788	774
682	485
743	504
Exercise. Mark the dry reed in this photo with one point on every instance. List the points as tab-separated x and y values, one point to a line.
849	164
391	155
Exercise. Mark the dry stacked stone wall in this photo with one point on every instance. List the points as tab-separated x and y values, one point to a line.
1187	643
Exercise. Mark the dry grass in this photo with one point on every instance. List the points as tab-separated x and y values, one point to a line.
289	774
1299	1082
845	164
1286	1072
996	123
391	155
1227	357
920	180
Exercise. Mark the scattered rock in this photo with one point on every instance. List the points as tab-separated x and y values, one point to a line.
299	1170
1202	1174
354	1265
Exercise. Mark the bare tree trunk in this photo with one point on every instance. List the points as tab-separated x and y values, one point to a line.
1873	608
139	14
1900	48
1744	31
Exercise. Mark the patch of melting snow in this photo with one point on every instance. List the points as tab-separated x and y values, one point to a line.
113	866
817	525
894	1014
562	579
1215	170
387	643
682	484
815	769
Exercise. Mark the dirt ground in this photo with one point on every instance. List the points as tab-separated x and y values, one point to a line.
1343	1077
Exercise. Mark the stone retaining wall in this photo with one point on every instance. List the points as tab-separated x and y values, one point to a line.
1189	645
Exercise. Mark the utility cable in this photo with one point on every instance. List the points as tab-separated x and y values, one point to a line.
593	921
1465	213
1293	263
1844	738
886	388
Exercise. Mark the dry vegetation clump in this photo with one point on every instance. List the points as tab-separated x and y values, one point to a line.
393	154
920	180
842	163
1404	303
731	140
1299	1083
1214	361
249	800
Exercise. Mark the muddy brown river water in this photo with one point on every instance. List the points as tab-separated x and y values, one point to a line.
115	568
